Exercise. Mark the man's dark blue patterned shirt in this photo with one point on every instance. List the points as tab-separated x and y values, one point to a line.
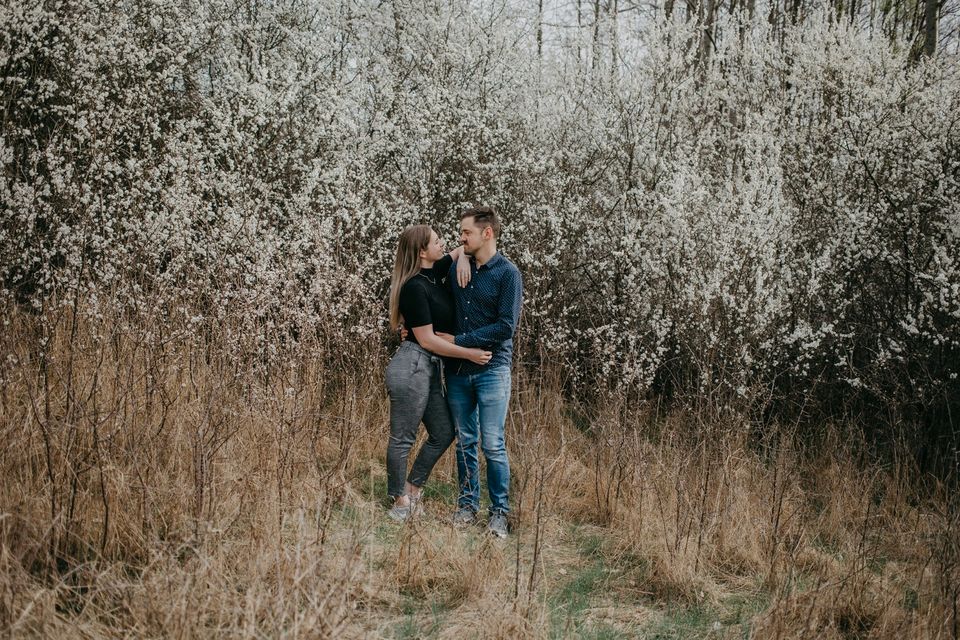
487	311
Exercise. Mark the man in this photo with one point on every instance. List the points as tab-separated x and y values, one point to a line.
487	312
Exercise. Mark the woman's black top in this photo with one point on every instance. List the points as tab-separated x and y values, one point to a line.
425	299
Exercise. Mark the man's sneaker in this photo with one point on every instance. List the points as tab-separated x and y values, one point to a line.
498	525
464	517
404	513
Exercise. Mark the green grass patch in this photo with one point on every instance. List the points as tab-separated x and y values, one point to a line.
443	491
408	629
634	567
374	487
705	621
573	598
596	631
575	595
911	599
577	592
349	514
589	541
686	623
387	531
590	545
419	621
740	609
877	564
604	632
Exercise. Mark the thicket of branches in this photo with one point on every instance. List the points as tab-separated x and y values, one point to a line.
751	205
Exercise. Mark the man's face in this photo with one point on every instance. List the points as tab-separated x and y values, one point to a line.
473	237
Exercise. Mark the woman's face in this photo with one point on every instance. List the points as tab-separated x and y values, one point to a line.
434	250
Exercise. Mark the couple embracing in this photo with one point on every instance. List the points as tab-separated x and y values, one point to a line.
452	371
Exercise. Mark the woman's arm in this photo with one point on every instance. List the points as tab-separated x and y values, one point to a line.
463	267
434	343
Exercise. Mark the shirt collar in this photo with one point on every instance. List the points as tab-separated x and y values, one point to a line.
492	262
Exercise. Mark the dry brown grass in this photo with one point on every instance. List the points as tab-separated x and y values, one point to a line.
158	489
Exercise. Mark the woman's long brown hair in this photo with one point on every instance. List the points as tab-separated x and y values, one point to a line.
413	240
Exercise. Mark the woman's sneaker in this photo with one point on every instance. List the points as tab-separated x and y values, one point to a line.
404	513
498	525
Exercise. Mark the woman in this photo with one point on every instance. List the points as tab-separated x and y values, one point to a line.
422	302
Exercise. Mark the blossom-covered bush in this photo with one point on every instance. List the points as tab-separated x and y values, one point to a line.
775	225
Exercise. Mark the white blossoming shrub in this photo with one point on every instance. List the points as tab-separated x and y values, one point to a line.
774	227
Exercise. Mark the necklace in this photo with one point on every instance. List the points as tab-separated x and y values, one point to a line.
432	281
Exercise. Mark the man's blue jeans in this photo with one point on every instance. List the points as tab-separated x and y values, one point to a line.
478	403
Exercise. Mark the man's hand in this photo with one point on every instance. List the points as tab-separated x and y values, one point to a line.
463	270
446	336
403	333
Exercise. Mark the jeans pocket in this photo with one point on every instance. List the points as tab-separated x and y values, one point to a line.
393	371
416	363
505	383
400	369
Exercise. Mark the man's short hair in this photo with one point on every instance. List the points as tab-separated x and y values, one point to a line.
483	217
